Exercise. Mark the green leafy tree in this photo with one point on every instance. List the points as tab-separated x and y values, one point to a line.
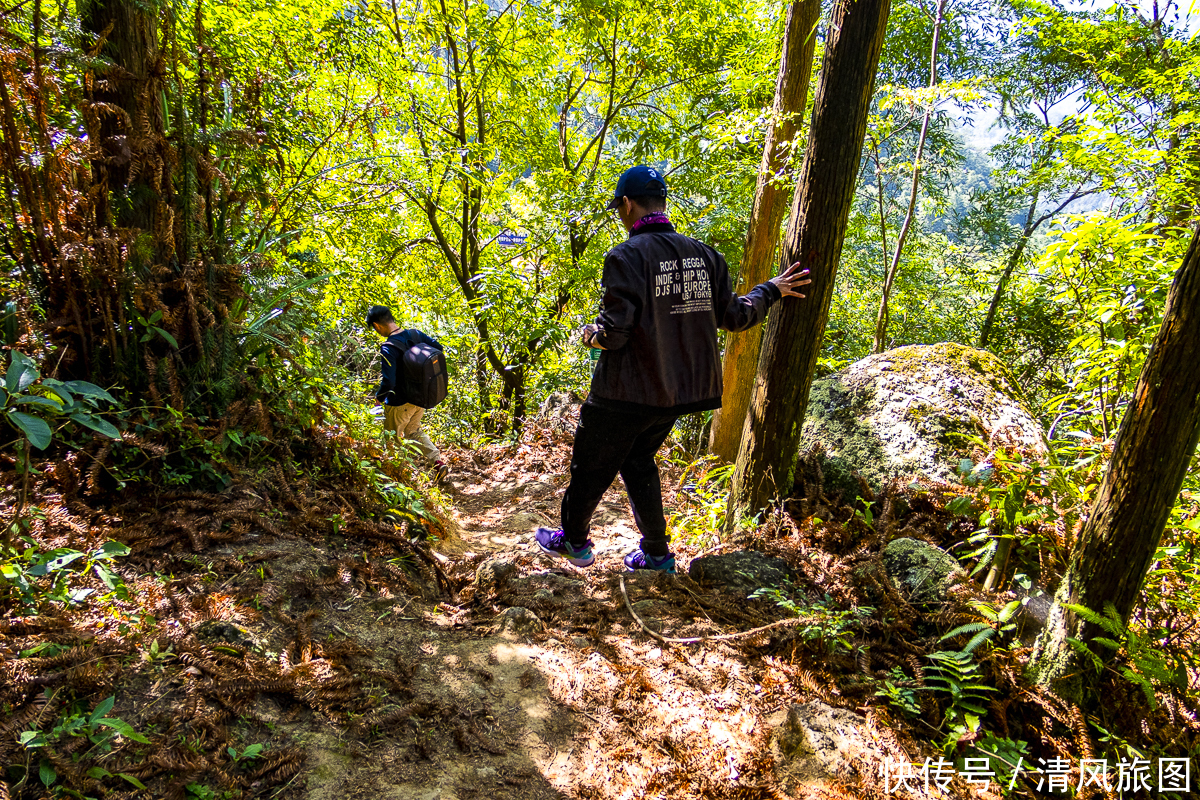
493	120
1153	449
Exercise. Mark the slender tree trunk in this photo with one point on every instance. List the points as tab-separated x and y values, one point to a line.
1155	444
1014	259
519	400
881	320
481	386
770	202
879	196
816	231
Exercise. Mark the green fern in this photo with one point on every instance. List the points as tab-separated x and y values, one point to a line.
981	630
970	627
1110	622
998	622
1147	667
955	674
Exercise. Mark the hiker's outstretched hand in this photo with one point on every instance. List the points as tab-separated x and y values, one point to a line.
791	279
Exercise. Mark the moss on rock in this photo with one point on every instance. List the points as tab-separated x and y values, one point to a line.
911	411
922	571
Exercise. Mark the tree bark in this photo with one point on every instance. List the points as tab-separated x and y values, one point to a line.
881	320
1154	446
816	231
130	139
771	195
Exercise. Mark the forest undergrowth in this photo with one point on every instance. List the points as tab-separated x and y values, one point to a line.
157	638
239	620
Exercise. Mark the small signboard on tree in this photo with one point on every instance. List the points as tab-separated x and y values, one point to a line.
509	238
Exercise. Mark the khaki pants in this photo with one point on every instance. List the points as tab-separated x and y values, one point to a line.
405	422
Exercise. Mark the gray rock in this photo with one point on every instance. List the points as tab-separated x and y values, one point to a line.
922	572
494	574
816	743
388	603
525	522
536	489
216	631
643	607
645	610
559	585
908	412
267	710
742	571
519	620
561	411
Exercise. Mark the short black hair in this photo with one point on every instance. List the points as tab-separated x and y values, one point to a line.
380	314
651	203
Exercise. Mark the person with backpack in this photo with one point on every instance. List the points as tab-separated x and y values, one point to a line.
413	378
665	296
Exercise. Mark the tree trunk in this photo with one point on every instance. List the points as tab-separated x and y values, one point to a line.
481	386
1154	447
1009	268
770	202
816	230
881	320
130	138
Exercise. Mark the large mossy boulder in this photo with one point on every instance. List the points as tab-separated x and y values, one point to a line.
913	411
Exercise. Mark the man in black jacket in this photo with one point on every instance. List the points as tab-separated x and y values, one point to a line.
665	295
400	416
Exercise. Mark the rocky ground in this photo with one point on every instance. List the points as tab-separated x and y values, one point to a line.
538	682
297	653
292	637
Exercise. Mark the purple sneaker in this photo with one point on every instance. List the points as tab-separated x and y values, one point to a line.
639	560
554	542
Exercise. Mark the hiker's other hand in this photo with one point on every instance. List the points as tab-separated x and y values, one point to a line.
791	279
587	332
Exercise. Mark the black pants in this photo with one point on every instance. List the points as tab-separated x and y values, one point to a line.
608	442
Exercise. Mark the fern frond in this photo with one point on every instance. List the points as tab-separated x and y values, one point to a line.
970	627
1082	649
1110	624
978	639
1143	684
1009	610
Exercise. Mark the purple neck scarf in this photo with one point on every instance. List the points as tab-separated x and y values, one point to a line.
657	218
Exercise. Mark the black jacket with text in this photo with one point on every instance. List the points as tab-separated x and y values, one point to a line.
665	295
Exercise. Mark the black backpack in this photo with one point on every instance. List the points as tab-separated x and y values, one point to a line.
425	375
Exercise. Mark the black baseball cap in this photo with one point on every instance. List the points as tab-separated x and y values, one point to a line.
639	181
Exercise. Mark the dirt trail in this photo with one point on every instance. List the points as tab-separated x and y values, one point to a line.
510	734
530	679
577	703
315	632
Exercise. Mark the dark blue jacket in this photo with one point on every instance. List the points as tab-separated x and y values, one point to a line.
665	296
393	390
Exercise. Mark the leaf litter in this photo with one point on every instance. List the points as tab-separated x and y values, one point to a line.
371	664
